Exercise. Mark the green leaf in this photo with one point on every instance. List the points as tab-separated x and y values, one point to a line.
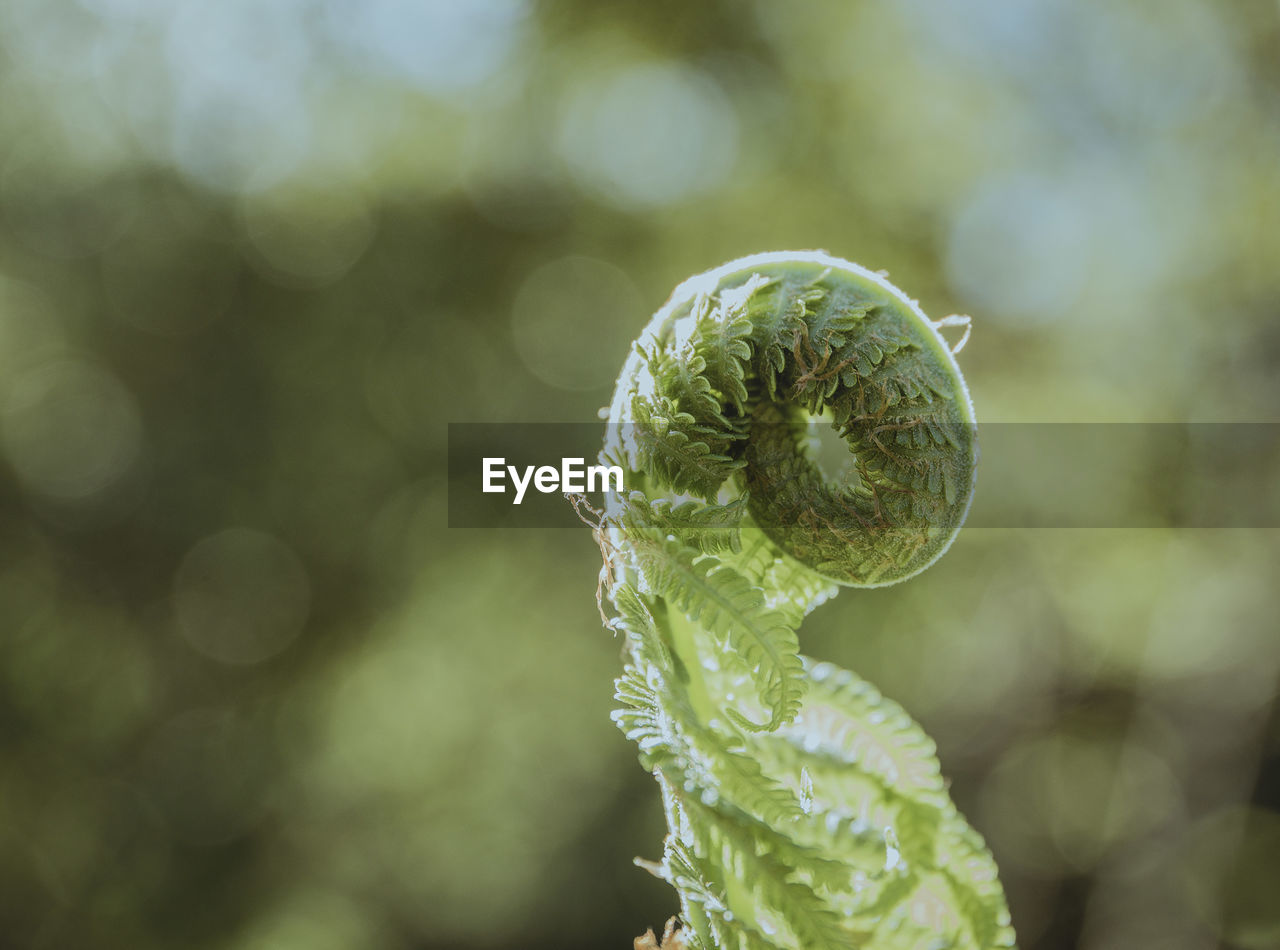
675	449
709	528
714	595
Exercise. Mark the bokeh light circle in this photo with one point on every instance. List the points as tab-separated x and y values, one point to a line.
440	46
1019	249
70	429
649	135
241	596
573	320
307	235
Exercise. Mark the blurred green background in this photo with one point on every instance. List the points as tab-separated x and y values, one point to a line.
254	257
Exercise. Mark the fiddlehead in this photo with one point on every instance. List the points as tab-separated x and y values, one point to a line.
805	810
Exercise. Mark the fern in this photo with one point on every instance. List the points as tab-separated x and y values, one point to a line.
709	528
724	603
804	809
677	450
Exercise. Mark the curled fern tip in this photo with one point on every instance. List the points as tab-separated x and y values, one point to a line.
805	810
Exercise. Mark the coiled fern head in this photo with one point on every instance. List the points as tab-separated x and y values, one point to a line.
805	810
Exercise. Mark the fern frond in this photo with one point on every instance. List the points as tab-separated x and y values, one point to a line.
709	528
805	810
714	595
636	621
779	904
677	450
723	342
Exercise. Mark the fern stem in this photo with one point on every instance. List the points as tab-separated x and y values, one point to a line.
690	666
736	897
